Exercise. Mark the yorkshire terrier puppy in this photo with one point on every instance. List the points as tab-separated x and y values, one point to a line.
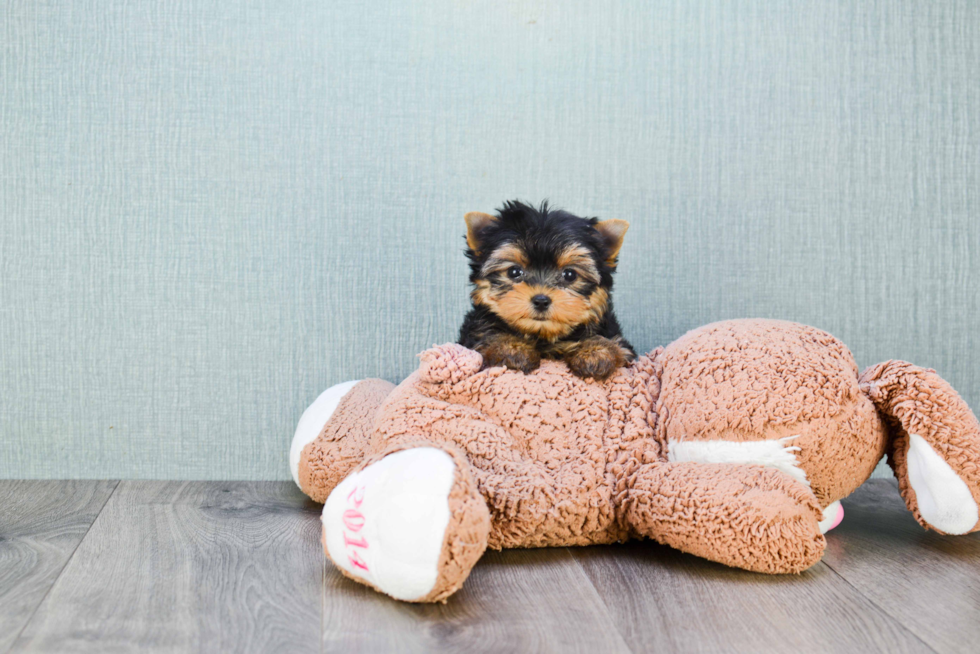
541	288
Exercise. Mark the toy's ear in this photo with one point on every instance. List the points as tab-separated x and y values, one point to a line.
476	222
612	233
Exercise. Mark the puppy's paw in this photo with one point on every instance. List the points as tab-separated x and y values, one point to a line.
596	358
511	352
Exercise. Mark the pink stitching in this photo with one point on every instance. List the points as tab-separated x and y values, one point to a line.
354	521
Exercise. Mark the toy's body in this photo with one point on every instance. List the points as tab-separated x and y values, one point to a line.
733	443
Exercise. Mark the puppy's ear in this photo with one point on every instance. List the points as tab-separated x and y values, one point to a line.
476	222
612	233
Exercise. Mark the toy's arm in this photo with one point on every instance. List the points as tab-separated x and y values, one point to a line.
742	515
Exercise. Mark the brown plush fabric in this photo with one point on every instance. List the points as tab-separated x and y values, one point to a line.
342	444
746	516
556	460
918	401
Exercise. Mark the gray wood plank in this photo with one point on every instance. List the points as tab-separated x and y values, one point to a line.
189	566
931	583
41	524
665	601
514	601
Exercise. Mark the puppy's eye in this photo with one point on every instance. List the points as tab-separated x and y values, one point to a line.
515	272
569	275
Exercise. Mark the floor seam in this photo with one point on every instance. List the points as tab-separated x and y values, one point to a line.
879	607
323	602
63	567
598	596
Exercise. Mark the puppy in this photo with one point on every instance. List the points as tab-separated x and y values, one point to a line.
541	288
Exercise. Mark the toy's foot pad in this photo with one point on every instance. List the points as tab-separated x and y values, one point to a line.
386	525
832	516
943	498
777	453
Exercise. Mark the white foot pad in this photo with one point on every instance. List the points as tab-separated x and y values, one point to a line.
386	524
944	500
313	421
777	453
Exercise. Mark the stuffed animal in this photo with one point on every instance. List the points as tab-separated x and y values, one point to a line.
735	443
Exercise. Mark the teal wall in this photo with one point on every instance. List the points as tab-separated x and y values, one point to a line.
213	210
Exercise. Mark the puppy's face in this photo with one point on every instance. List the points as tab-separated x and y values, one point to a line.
544	273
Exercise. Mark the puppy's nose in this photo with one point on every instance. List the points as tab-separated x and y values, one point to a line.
541	301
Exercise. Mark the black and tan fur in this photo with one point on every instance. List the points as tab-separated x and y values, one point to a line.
541	288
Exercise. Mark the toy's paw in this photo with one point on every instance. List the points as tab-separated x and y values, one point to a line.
450	363
407	525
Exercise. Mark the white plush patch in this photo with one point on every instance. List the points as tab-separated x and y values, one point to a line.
944	499
773	453
832	516
313	421
386	524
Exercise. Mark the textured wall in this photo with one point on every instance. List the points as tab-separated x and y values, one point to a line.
213	210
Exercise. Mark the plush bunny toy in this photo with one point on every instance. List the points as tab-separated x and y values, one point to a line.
734	443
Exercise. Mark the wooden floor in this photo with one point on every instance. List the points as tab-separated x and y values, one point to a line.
236	567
